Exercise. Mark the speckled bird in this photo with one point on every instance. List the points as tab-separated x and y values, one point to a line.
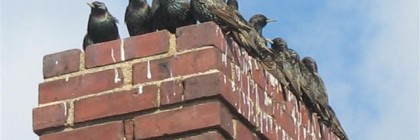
102	26
138	17
233	4
171	14
286	60
230	21
258	22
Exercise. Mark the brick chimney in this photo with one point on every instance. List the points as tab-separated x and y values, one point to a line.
194	84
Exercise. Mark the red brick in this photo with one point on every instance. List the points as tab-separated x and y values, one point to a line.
129	129
185	64
198	116
195	36
244	133
171	92
49	117
105	53
115	104
147	45
213	135
107	131
61	63
199	61
80	85
203	86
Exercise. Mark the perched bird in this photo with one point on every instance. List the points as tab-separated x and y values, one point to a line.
233	4
258	22
87	41
171	14
230	21
319	97
138	17
102	26
286	61
335	125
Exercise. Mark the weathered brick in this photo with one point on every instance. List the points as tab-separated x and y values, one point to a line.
243	132
198	116
80	85
129	129
203	86
61	63
49	117
105	53
195	36
116	103
212	135
171	92
185	64
147	45
107	131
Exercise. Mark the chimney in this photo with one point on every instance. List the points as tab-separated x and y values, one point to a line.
195	84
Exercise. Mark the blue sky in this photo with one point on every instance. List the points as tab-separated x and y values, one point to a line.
367	53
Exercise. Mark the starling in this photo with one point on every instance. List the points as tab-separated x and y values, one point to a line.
287	64
171	14
87	41
258	22
138	17
102	26
335	125
230	21
233	4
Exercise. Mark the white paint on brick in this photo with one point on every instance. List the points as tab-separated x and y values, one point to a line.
149	72
122	51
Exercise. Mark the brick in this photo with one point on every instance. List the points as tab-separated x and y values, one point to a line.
212	135
107	131
243	133
105	53
185	64
129	129
203	86
61	63
198	116
80	85
115	103
147	45
49	117
195	36
171	92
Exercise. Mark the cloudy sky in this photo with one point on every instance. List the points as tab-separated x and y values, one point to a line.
367	53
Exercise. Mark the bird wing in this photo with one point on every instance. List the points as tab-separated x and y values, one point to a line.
229	15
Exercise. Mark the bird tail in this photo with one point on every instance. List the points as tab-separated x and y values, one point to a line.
335	125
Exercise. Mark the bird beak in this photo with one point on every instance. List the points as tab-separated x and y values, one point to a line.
269	41
270	20
90	5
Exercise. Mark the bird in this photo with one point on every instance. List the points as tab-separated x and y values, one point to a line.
171	14
319	97
102	26
335	125
87	41
138	17
259	21
231	22
233	4
286	58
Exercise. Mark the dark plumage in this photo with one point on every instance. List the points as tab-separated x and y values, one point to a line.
102	26
318	94
233	4
230	21
171	14
138	17
287	63
259	21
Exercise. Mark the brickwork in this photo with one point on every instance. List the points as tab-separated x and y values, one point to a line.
194	84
